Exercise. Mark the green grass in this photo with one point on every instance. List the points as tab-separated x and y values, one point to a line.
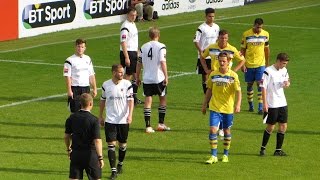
31	134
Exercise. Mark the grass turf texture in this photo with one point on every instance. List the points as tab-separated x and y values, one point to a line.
31	134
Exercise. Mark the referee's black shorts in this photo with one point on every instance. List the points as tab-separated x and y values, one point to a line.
84	160
74	102
133	56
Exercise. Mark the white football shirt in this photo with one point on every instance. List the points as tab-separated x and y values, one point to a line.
129	34
272	81
117	97
152	53
79	69
206	35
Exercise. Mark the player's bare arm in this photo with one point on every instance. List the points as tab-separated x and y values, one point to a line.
93	84
101	109
238	103
125	53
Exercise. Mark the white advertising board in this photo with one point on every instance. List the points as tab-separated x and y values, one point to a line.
44	16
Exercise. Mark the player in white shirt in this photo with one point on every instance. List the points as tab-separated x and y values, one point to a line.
155	77
129	49
206	34
274	79
117	100
79	75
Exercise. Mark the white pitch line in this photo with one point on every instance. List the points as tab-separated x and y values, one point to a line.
277	26
52	64
165	27
64	94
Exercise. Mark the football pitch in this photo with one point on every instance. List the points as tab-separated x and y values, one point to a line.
33	101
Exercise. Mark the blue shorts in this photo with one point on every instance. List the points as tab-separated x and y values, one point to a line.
216	118
254	74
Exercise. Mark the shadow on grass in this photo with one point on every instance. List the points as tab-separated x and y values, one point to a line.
33	171
260	131
36	153
33	125
2	136
190	130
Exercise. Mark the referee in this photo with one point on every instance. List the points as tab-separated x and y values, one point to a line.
79	75
83	142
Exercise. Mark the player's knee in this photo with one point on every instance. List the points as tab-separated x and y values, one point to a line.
111	147
123	147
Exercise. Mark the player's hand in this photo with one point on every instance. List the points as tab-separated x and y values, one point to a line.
127	62
237	109
70	94
69	153
204	109
244	69
138	81
286	84
101	163
165	81
101	121
265	107
94	93
129	119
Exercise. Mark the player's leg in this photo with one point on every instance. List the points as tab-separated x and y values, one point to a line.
227	121
214	120
111	138
258	78
122	136
133	65
162	91
204	76
147	90
282	121
249	78
271	121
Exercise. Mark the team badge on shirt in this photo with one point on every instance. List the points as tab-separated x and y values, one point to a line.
65	70
124	36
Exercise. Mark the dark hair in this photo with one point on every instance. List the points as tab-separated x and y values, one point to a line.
81	41
283	57
85	100
258	21
115	67
130	9
223	32
209	10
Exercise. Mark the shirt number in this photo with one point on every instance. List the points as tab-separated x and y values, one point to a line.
150	54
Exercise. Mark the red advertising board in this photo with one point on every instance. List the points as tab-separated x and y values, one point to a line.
8	19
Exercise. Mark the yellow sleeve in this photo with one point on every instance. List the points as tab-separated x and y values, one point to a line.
243	41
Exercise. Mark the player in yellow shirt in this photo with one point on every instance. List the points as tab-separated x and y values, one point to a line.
255	48
222	45
222	86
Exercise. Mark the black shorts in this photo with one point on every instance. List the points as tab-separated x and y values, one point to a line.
200	69
116	132
133	56
74	102
279	115
154	89
84	160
